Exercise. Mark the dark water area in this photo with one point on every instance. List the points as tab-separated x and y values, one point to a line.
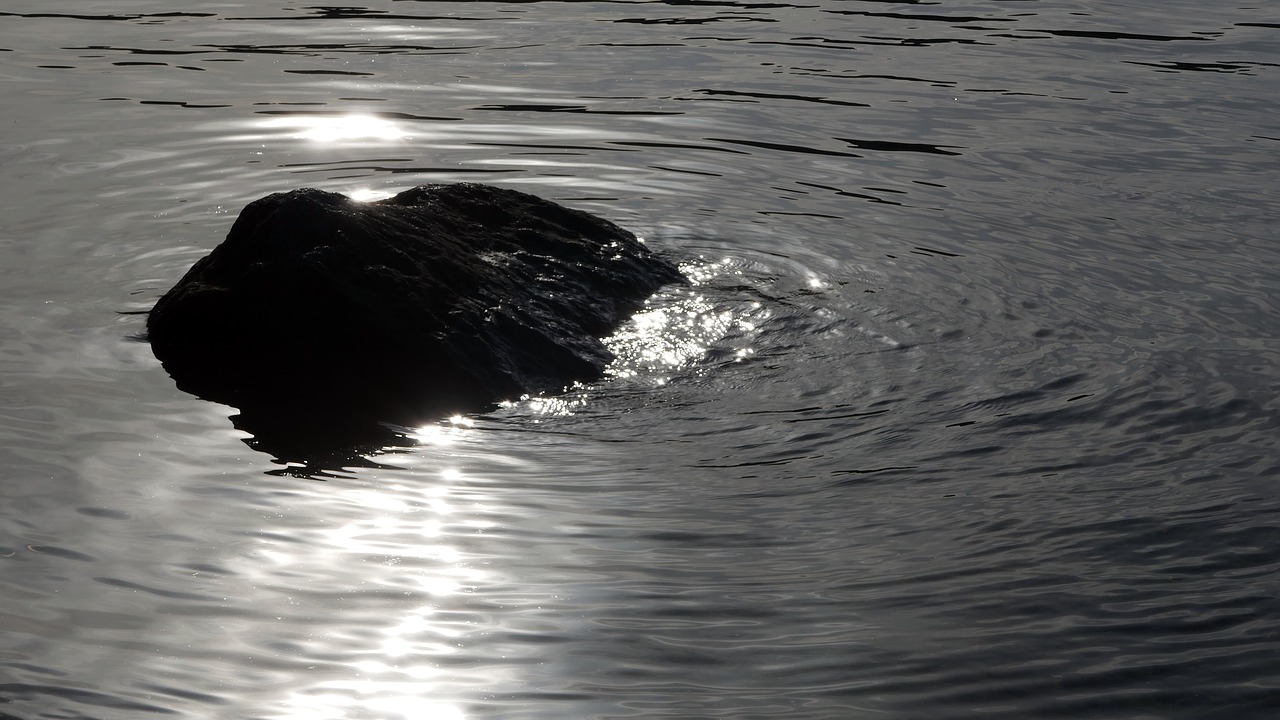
969	411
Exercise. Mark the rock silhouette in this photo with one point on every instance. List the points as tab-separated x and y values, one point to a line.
321	310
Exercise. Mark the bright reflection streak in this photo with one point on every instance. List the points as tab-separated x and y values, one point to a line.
391	583
337	128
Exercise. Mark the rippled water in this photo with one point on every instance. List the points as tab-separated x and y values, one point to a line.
971	412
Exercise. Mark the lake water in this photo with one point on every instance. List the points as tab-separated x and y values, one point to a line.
971	411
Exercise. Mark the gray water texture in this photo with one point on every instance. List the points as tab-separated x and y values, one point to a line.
970	410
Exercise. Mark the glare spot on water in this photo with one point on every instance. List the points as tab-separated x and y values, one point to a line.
340	128
446	432
365	194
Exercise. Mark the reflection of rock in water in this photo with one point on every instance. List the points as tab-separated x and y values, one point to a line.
318	310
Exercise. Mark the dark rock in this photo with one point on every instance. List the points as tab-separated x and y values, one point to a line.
445	298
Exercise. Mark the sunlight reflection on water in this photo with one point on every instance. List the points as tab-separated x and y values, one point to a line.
415	577
681	324
443	433
322	142
371	698
328	128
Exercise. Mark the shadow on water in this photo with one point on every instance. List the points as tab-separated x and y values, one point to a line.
309	444
318	450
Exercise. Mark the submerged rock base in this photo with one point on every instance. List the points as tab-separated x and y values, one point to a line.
442	299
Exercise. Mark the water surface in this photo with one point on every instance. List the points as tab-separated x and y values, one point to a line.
970	411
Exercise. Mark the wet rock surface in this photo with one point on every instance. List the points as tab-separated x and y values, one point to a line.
322	310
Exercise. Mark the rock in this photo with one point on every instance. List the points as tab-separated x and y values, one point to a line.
445	298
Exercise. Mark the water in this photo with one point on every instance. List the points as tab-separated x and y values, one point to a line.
971	412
